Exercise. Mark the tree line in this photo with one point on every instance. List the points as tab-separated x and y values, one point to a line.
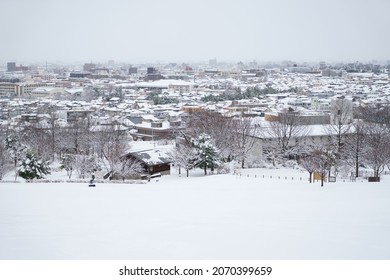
29	149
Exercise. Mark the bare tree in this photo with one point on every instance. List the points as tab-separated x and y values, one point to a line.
111	145
15	148
126	167
38	141
323	160
5	160
243	143
184	156
220	128
340	122
85	164
377	141
355	147
68	162
308	162
281	135
75	138
110	141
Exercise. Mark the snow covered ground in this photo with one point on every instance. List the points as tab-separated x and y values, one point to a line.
201	217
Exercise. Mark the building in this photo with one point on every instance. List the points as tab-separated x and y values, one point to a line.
46	92
11	66
18	89
152	74
133	70
78	75
88	67
155	130
154	161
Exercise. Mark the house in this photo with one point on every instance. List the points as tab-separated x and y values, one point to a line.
153	161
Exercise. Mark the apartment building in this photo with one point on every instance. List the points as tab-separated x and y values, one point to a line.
18	89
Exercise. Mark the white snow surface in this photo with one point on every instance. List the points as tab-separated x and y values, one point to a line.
200	217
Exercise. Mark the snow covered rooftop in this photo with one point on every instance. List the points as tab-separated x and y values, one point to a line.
152	156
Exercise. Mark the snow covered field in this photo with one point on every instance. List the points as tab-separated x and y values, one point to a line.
201	217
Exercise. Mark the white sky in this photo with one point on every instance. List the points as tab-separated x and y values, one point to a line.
187	31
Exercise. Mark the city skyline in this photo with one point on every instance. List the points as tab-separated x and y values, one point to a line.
184	31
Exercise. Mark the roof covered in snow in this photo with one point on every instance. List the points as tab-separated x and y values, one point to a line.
152	157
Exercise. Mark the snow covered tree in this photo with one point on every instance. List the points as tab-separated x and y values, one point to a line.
37	139
340	123
85	164
68	163
220	128
184	156
355	147
377	140
243	142
75	137
206	153
126	167
112	144
15	148
32	167
308	162
324	158
5	161
281	134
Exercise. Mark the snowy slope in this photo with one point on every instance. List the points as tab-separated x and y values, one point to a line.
201	217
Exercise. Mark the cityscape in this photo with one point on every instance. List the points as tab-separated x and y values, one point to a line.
161	103
196	131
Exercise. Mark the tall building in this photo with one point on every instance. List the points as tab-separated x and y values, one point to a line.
88	67
133	70
11	66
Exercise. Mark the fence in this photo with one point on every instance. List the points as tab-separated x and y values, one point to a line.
291	178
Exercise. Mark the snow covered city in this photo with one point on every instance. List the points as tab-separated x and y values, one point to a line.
195	130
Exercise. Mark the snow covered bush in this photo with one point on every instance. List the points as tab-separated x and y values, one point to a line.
224	168
32	167
290	163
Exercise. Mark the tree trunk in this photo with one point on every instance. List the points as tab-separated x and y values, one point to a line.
243	163
310	173
188	172
357	166
205	170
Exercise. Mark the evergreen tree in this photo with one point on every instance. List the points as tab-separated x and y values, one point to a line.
32	167
206	153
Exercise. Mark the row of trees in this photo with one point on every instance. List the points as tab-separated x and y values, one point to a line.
77	146
238	94
346	144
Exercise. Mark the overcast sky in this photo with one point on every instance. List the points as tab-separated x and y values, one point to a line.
136	31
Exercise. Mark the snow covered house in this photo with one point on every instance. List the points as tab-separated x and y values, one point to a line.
153	161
